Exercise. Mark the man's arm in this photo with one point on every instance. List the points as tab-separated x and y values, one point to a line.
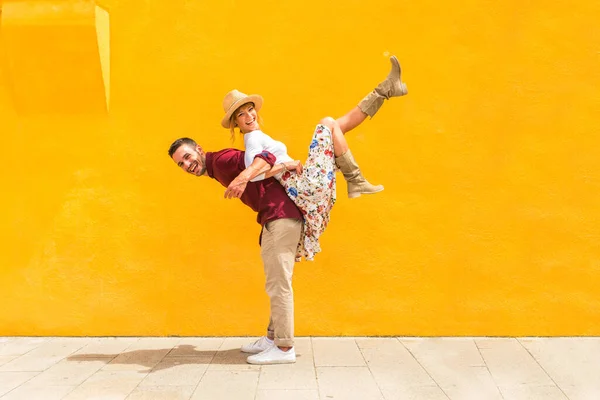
262	163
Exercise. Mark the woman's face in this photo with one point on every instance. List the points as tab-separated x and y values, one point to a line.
246	118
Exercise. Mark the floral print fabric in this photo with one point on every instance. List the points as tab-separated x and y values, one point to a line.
313	191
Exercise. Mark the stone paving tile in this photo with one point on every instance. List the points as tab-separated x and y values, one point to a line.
230	358
287	376
178	371
11	380
581	392
105	347
414	393
392	364
396	371
573	363
337	352
32	391
471	384
73	341
196	347
44	355
28	363
511	364
162	393
348	383
456	365
228	384
532	392
326	368
569	361
6	359
67	373
304	352
107	385
58	347
20	345
287	394
155	343
140	357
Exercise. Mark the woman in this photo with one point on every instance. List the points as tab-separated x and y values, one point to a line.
312	187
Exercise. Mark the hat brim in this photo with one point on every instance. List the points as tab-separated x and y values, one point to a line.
253	98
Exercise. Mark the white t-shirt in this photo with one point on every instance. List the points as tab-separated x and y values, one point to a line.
256	142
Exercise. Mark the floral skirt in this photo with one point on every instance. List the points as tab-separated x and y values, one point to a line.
313	191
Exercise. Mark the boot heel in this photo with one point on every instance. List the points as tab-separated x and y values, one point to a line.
403	89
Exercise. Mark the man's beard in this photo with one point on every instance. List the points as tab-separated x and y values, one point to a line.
203	170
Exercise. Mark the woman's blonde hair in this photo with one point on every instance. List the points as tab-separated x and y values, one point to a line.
233	125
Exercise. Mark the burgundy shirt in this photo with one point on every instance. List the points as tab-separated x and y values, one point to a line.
267	197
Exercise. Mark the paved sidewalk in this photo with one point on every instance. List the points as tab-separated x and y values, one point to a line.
326	368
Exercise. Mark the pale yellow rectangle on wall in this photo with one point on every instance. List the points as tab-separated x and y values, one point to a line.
103	35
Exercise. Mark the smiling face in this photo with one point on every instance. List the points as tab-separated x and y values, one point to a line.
191	159
246	118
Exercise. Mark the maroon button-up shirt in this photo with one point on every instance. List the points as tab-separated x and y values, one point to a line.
267	197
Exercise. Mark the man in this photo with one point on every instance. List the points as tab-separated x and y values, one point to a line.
278	215
281	223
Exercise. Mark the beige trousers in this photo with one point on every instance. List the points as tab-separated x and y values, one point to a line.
279	241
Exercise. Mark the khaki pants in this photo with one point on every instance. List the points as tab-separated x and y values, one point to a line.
279	241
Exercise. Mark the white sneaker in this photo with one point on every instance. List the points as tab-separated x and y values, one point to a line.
260	345
273	355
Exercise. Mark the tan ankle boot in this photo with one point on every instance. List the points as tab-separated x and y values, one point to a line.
357	184
392	86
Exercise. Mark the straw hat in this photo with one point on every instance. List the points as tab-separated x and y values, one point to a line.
234	100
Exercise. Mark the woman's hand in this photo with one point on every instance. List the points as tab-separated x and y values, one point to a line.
294	166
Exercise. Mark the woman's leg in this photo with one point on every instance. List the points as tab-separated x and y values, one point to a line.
340	145
351	120
392	86
357	184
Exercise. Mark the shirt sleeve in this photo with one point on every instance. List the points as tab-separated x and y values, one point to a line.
255	148
269	158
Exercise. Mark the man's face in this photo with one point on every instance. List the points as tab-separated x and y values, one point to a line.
190	159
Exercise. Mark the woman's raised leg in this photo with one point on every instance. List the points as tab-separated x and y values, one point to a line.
357	184
392	86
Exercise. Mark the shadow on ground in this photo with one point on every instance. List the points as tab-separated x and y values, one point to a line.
158	359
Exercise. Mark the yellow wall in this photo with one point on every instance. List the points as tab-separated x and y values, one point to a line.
489	224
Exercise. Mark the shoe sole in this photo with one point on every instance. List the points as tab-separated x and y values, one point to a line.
271	362
403	88
357	194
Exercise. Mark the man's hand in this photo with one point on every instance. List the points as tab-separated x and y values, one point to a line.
236	188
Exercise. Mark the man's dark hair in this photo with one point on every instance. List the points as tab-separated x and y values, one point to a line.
180	142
